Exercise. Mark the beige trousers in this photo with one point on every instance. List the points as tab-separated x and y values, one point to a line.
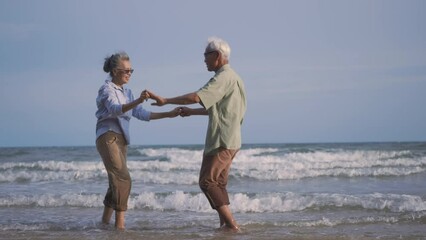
113	150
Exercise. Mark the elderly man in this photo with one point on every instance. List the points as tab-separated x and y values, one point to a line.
224	100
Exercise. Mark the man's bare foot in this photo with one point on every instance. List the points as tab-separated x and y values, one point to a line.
230	228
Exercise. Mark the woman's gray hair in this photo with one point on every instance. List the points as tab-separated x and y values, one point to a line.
217	44
112	61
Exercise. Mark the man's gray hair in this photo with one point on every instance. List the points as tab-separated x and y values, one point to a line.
217	44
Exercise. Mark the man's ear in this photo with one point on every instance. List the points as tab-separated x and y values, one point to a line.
219	55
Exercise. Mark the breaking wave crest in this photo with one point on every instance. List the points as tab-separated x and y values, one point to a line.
244	203
181	166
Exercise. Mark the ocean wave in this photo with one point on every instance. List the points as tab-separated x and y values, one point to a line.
72	226
25	227
181	166
26	175
328	222
324	163
153	172
52	166
298	202
334	222
240	202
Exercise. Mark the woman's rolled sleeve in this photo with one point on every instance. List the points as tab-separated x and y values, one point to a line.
140	113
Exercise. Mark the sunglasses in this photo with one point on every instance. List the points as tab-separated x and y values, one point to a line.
127	71
207	53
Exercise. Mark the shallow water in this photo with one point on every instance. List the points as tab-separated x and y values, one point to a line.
280	191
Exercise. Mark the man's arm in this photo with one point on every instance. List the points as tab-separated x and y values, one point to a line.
185	112
186	99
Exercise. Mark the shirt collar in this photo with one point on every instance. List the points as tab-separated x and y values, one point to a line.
110	83
223	68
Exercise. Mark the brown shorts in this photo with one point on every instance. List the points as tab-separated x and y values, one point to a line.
113	150
214	176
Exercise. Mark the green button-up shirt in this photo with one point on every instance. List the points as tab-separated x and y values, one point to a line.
224	98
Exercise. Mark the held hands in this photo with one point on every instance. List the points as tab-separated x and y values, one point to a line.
144	96
175	112
185	111
180	111
160	101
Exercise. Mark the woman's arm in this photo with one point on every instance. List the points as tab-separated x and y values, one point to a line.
128	106
171	114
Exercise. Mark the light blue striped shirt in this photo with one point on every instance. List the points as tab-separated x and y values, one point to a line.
110	115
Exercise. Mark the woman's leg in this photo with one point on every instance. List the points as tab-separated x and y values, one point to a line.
113	150
106	217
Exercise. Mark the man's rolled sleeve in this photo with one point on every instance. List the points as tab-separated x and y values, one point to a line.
212	92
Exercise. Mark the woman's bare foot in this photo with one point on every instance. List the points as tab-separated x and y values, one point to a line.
106	217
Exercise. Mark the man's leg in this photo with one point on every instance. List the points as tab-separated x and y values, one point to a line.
221	220
119	219
213	180
226	214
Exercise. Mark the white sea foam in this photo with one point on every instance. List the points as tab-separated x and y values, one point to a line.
52	200
240	202
53	166
328	222
25	175
24	227
321	163
182	166
180	178
176	155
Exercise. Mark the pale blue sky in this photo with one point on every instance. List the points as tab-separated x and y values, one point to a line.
315	71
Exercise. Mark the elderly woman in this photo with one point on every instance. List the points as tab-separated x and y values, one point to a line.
116	105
